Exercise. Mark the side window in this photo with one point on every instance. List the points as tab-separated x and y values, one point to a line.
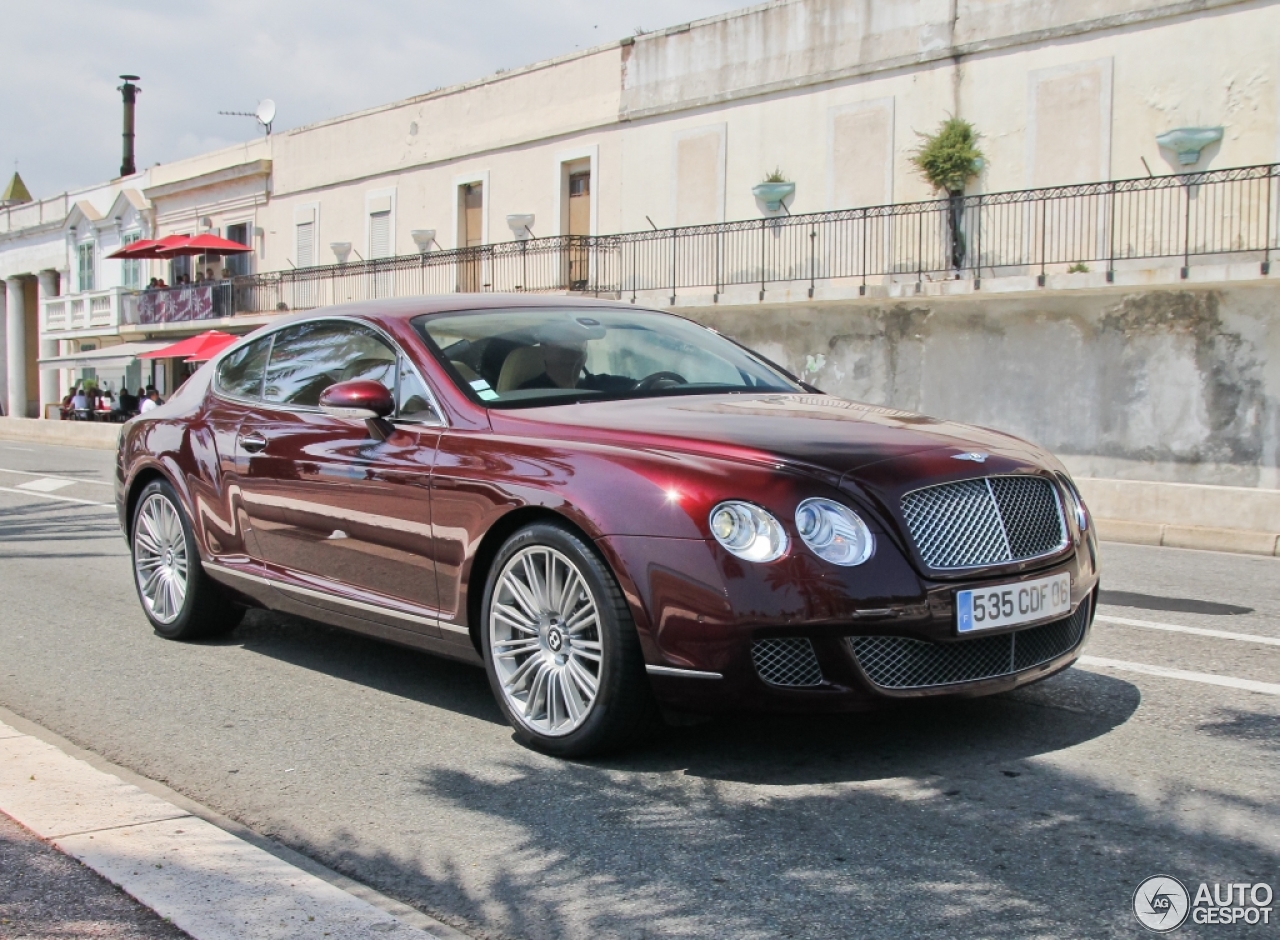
308	358
240	374
412	401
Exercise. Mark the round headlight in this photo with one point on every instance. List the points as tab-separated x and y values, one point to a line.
834	532
748	531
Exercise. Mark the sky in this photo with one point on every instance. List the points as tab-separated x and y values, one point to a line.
60	110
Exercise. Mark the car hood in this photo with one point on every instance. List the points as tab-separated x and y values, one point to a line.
830	436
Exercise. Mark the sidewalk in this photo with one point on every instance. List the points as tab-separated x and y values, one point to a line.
183	871
44	893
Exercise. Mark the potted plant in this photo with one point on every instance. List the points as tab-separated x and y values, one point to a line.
774	190
948	159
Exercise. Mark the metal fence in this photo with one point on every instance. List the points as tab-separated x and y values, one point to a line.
1224	214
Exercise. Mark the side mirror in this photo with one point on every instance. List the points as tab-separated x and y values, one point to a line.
362	400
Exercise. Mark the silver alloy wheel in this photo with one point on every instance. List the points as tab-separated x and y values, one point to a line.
160	560
545	641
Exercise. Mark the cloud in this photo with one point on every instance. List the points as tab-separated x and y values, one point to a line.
60	111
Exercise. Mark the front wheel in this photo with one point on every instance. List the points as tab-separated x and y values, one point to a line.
178	598
560	647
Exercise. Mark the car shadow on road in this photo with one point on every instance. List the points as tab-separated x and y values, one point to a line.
909	740
406	673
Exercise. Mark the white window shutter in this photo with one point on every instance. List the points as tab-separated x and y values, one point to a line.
380	235
306	244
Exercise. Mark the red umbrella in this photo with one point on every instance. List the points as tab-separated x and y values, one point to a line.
151	247
201	245
194	348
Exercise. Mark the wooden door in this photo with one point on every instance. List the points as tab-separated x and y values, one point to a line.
472	237
579	225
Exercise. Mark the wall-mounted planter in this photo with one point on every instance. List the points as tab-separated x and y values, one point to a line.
423	238
521	225
341	251
773	195
1187	142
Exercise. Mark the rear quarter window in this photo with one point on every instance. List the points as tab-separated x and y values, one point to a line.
240	374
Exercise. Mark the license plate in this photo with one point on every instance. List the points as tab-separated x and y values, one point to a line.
1007	605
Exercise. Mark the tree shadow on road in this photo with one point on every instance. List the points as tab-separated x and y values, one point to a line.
58	522
944	824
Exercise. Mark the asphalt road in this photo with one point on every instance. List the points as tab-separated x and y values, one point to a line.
1035	814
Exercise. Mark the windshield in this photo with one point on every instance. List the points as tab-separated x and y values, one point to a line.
544	356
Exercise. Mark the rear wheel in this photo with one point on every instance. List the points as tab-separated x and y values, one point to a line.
560	647
177	596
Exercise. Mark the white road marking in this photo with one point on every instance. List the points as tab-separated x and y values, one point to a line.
45	485
1230	682
61	499
1195	631
51	476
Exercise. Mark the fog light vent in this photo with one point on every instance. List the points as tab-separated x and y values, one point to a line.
897	662
787	661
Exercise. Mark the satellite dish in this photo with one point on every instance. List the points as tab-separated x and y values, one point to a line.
266	113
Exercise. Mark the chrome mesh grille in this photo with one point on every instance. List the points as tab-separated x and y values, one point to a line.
895	662
788	661
988	521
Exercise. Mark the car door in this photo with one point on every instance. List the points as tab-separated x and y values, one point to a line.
327	501
216	490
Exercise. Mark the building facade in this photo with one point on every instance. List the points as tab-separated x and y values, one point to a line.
664	129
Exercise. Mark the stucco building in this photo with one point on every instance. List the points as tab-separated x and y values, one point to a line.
675	127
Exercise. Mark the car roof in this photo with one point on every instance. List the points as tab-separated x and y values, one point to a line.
403	308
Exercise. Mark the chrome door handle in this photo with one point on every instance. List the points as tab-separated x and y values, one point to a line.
254	443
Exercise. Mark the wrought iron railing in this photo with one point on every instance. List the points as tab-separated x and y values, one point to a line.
1226	214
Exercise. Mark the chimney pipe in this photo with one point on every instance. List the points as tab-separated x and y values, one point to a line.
130	93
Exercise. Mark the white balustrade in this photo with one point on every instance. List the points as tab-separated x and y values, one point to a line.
96	310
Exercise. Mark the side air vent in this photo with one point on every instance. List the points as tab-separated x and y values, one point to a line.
787	661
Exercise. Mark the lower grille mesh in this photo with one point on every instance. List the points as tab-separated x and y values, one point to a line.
895	662
788	661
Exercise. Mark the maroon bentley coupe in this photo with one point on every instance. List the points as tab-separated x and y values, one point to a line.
615	510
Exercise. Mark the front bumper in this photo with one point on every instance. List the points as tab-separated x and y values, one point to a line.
790	642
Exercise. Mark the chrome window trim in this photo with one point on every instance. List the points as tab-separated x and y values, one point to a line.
307	409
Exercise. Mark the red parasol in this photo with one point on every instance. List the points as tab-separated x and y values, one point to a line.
201	245
174	245
194	348
147	247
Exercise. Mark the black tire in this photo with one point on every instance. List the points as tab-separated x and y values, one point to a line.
623	710
203	610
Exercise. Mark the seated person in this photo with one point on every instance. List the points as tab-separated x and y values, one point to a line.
564	364
127	403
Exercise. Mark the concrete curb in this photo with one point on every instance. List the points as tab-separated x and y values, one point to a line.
1204	538
92	434
205	880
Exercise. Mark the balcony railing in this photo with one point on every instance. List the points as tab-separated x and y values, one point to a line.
91	310
1218	215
